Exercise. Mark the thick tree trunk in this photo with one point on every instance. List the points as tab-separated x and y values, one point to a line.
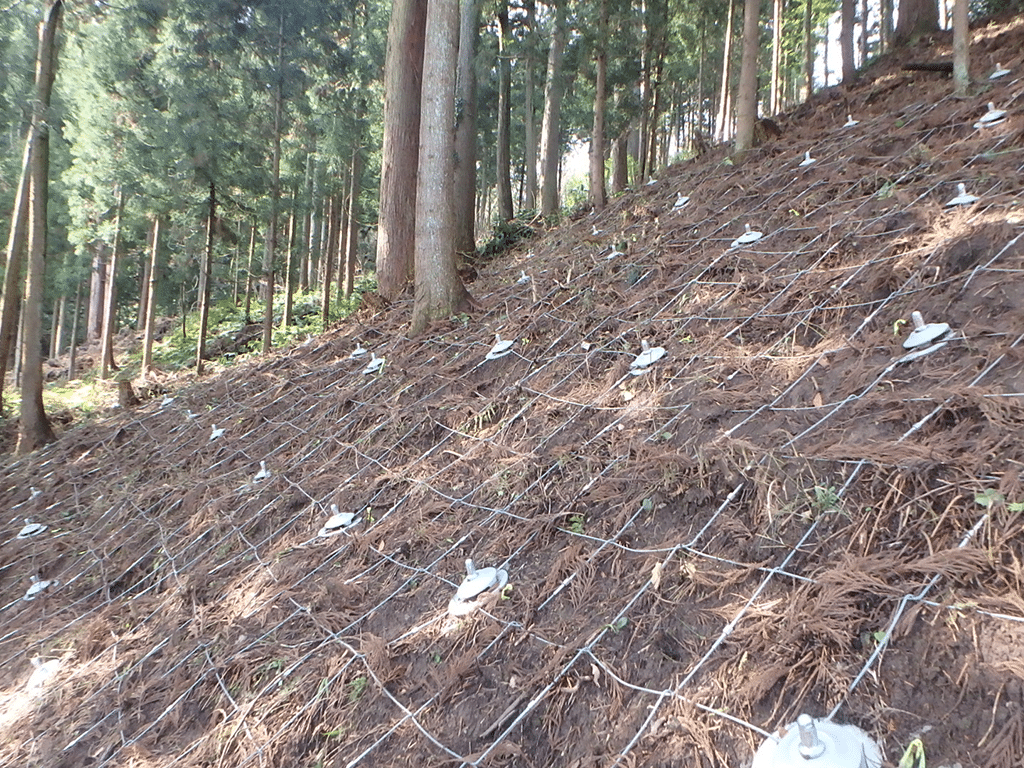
503	139
34	428
204	281
153	271
403	77
847	11
439	290
17	238
598	198
620	163
529	113
107	363
722	118
961	47
465	129
916	18
746	96
550	139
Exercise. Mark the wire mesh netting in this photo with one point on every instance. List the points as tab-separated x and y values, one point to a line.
787	512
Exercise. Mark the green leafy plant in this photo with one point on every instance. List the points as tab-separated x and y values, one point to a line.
619	624
576	524
356	689
826	499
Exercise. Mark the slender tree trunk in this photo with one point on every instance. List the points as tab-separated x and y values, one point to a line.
34	428
289	268
250	261
529	113
327	260
847	10
885	25
700	74
352	237
57	337
809	49
17	238
270	250
309	219
439	290
464	188
863	32
144	262
722	119
107	363
651	163
312	263
204	281
550	140
73	347
746	97
776	77
961	47
598	198
503	139
403	77
150	297
97	290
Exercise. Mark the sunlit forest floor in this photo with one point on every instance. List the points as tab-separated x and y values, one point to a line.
788	512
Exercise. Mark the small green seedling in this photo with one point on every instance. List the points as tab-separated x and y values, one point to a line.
619	624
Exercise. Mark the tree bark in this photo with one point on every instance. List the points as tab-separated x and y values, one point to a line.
154	253
746	97
776	76
722	121
204	281
620	162
289	265
97	290
809	49
250	260
327	258
58	327
270	251
347	280
503	139
34	428
550	139
598	198
439	290
11	310
916	18
73	346
465	129
961	47
307	225
107	363
403	78
529	114
847	11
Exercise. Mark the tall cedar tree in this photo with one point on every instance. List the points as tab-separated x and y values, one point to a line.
403	78
439	289
34	428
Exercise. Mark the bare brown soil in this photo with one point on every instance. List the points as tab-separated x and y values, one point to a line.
704	550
